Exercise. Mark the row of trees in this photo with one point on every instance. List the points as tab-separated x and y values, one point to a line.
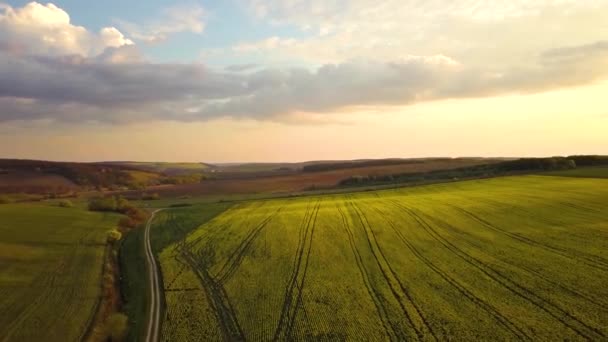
134	215
477	171
114	323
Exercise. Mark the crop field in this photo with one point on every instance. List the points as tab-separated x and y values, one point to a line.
50	270
509	258
585	172
299	181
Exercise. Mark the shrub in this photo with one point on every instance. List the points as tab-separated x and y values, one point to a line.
65	204
150	197
117	204
5	199
103	204
114	235
136	214
116	326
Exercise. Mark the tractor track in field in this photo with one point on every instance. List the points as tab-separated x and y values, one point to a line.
300	287
567	204
558	206
179	273
188	289
208	237
599	303
374	295
541	303
289	311
236	258
404	292
592	261
216	295
482	304
218	299
218	229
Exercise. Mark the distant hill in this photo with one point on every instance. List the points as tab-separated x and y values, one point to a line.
166	168
313	165
37	176
48	177
267	178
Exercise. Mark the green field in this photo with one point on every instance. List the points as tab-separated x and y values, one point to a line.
166	166
501	259
50	270
584	172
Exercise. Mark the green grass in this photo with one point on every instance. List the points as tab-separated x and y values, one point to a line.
134	282
584	172
499	259
50	270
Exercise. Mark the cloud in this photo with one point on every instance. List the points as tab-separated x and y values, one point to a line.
478	31
53	70
72	88
576	52
47	30
182	18
241	67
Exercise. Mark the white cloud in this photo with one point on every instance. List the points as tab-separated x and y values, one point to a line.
111	37
47	30
52	69
182	18
478	31
72	88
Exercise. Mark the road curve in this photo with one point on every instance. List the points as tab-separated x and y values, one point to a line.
153	328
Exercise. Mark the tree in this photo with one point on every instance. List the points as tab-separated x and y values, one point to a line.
65	204
102	204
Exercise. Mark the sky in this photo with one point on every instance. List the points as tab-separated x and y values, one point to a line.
295	80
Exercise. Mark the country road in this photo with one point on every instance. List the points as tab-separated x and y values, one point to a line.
154	313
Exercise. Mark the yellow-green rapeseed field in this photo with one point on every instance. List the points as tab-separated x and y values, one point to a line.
514	258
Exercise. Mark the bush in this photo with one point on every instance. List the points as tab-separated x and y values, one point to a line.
136	214
65	204
116	326
103	204
117	204
5	200
150	197
114	235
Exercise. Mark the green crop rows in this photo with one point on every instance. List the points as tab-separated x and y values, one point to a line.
512	258
50	270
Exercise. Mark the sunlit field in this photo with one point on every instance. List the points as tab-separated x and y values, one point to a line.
508	258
